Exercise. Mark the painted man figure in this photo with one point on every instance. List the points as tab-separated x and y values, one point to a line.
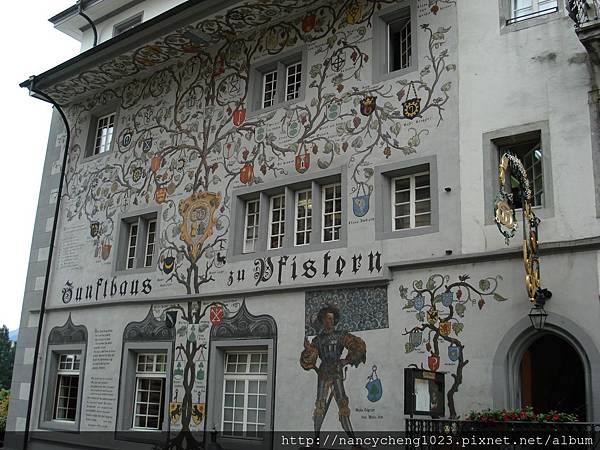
329	345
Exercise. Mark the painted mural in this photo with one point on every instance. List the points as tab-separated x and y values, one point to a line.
329	346
185	136
192	322
439	305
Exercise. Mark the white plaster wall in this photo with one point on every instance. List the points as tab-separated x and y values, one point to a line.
514	78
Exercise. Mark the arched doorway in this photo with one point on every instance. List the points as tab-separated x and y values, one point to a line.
506	370
552	376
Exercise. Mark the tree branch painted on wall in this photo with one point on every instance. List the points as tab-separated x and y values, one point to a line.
184	138
439	306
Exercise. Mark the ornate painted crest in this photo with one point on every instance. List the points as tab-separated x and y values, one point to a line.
198	212
197	413
368	105
453	352
419	302
216	314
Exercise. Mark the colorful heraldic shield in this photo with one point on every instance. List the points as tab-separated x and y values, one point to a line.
197	212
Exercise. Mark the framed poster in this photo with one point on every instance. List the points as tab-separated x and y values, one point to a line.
424	393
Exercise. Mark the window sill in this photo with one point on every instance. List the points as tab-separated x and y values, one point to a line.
90	158
253	113
409	232
135	271
59	425
529	22
381	77
320	246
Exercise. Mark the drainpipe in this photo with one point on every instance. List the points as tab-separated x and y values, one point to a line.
86	17
42	96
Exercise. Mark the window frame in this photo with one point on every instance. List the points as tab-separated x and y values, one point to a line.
333	213
384	196
412	201
256	225
381	42
278	64
507	24
246	377
49	395
289	186
94	117
282	229
215	397
152	375
122	257
493	141
306	233
535	6
125	429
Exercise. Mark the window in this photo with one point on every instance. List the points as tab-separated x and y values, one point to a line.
138	242
277	221
531	144
67	387
104	134
526	9
127	25
277	82
406	199
399	43
332	212
394	41
303	220
150	380
269	89
292	215
245	393
251	225
294	81
411	201
530	154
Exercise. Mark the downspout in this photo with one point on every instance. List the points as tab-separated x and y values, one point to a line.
86	17
42	96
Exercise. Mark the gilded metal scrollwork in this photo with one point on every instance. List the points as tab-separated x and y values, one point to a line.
505	218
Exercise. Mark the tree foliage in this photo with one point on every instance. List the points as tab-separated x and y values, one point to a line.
7	358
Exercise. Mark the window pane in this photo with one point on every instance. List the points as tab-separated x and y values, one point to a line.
399	43
269	88
251	228
423	220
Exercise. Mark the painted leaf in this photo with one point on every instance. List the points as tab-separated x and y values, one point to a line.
499	298
484	284
419	284
460	309
457	327
430	284
408	347
421	316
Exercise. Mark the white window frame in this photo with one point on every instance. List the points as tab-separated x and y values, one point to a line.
536	11
150	247
280	223
293	80
103	143
138	244
153	374
255	225
307	232
412	201
324	200
269	87
280	67
246	377
70	371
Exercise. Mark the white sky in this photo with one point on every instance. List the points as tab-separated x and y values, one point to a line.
29	45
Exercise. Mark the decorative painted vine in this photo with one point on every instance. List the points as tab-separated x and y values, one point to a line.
439	306
185	138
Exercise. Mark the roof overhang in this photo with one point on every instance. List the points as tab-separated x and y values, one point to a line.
107	51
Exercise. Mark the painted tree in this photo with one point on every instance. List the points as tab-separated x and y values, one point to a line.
185	137
440	307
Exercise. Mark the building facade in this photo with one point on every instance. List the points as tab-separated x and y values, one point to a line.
270	210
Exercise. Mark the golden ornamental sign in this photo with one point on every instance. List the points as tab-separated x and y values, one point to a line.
197	212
